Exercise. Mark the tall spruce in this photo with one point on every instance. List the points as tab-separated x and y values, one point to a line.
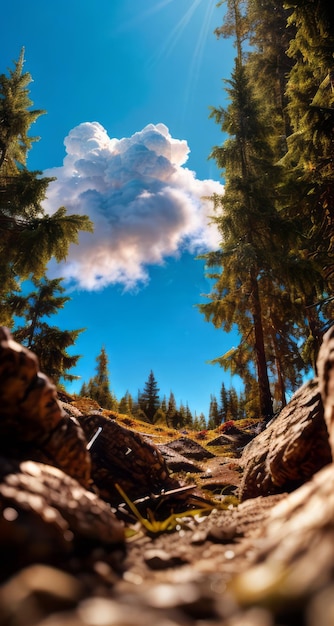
125	404
273	69
29	237
292	37
149	398
309	179
247	223
98	387
268	63
214	419
171	413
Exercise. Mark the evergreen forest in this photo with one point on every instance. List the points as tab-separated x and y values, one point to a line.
272	275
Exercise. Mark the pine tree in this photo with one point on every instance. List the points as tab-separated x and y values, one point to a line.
164	404
49	343
149	398
247	224
223	408
98	387
202	422
125	404
287	59
268	64
254	236
171	414
309	160
160	417
83	391
188	419
182	416
214	415
290	70
29	237
233	402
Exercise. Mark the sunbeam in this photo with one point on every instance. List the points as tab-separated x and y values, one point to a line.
175	34
197	57
157	7
131	23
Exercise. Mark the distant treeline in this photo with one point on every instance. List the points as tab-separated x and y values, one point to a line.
150	407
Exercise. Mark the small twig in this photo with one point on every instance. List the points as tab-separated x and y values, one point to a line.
93	439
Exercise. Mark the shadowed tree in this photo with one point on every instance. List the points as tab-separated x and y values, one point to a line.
49	343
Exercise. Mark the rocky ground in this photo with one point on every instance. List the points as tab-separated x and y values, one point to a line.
102	525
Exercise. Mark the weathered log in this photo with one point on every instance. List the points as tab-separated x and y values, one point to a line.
325	366
293	553
291	450
33	424
120	455
292	565
45	515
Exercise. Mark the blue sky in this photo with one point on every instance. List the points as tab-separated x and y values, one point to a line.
127	86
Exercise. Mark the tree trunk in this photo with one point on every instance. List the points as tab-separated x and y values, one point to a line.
281	395
266	405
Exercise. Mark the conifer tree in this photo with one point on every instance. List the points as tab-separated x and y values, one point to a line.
214	415
195	424
125	404
164	404
149	398
182	416
202	422
268	64
246	224
28	236
233	402
289	69
188	418
160	416
98	387
83	390
277	66
309	161
49	343
223	405
254	235
171	414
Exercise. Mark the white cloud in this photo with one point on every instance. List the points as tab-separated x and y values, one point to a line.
144	203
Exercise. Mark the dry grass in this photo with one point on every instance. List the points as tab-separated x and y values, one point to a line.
160	433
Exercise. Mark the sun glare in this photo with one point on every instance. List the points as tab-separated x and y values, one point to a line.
184	21
174	36
199	51
207	8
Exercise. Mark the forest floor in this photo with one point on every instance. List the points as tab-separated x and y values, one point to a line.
187	548
177	567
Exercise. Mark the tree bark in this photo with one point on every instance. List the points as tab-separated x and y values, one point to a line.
260	356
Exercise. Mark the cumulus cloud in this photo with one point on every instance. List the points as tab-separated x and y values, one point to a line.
144	203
